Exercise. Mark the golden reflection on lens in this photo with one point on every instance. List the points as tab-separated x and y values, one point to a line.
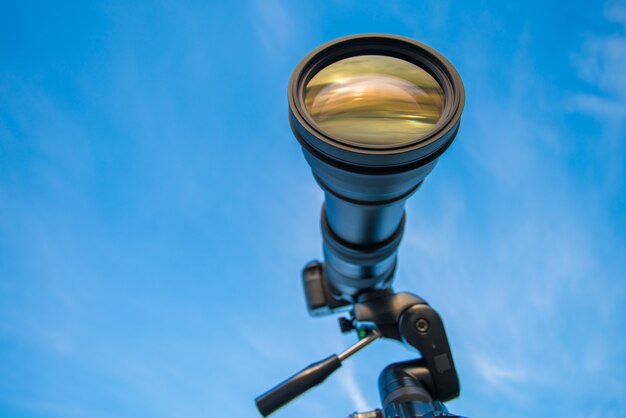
374	100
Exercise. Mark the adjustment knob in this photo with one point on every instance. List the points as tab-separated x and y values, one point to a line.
346	325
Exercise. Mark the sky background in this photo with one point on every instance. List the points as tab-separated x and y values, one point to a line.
155	209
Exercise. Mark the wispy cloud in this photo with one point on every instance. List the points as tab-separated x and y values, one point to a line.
597	106
601	62
616	12
348	380
498	375
274	24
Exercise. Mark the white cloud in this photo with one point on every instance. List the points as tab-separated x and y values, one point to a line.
616	12
274	24
498	375
602	61
597	106
347	379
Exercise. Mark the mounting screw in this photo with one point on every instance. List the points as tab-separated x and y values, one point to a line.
422	325
346	325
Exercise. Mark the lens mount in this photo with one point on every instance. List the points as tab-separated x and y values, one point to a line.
370	158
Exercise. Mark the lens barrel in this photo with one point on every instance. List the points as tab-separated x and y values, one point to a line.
366	183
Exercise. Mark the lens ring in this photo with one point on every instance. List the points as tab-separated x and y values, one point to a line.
340	151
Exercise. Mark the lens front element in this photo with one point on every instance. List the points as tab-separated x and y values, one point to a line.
374	100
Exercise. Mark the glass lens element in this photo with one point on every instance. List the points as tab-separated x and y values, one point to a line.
374	100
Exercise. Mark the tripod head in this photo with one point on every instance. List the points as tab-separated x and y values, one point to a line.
418	386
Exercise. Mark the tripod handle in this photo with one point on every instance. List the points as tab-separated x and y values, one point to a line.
296	385
310	376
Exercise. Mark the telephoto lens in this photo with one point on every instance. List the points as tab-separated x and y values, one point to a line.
372	113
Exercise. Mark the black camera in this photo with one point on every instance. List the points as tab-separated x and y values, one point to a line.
373	114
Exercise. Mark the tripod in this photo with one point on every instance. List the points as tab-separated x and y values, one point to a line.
409	389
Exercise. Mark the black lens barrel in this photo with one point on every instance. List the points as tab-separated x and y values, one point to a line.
366	186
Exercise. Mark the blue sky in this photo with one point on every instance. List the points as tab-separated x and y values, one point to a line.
155	210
